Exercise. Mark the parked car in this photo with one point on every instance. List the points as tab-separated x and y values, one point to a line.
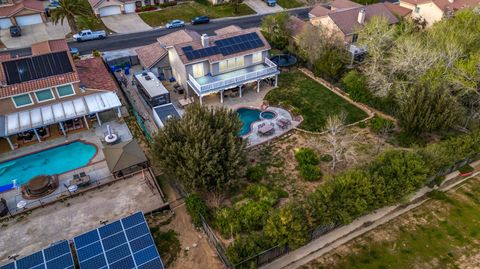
86	35
15	30
175	24
271	3
74	52
200	20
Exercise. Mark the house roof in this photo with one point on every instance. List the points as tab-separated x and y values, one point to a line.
197	44
347	21
10	10
94	74
321	10
398	10
178	37
49	46
456	5
227	30
297	25
123	155
151	54
344	4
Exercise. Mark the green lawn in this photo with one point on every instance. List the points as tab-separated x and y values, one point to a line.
445	234
188	11
312	100
290	3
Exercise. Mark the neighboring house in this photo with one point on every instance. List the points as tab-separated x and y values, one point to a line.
104	8
21	13
345	17
47	92
228	60
434	10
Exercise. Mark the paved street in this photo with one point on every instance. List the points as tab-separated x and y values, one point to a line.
124	41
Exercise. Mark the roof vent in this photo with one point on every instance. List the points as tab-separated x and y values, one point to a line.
144	73
147	77
204	40
361	16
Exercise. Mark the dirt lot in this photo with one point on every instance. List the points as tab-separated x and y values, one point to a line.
442	233
64	220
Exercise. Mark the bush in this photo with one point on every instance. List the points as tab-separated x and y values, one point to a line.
465	169
306	156
168	244
379	124
310	172
227	222
326	158
407	140
196	207
256	173
362	125
168	4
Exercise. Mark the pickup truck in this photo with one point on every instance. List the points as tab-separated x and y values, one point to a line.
86	35
271	3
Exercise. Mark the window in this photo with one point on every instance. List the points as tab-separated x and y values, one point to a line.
417	10
22	100
44	95
354	38
257	57
65	90
198	70
232	63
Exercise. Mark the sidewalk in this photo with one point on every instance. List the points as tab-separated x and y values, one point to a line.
342	235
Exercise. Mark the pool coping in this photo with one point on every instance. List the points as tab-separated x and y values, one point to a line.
48	148
251	124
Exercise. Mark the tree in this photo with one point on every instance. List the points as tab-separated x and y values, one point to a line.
202	149
276	29
341	148
69	10
287	225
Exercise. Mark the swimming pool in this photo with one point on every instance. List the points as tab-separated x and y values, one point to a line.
251	115
52	161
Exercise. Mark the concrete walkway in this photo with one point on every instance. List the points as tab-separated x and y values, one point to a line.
342	235
260	7
126	23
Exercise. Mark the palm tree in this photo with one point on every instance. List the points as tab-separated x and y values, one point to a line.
69	9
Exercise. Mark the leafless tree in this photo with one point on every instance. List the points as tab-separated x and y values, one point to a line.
341	144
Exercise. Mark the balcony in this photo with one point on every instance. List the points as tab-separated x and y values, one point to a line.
209	84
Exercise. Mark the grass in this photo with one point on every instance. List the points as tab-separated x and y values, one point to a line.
290	3
449	234
312	100
188	11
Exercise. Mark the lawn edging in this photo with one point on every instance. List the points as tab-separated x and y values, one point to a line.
364	224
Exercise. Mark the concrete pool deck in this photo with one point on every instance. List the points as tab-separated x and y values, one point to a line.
64	220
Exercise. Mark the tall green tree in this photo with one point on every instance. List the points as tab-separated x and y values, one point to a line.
69	10
276	30
202	149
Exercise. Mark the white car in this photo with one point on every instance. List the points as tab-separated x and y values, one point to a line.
175	24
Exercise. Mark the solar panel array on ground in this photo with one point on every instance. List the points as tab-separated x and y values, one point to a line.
123	244
57	256
227	46
36	67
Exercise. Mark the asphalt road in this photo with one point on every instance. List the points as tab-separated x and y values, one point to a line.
124	41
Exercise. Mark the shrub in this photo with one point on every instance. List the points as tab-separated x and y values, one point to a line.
256	173
310	172
406	140
287	225
379	124
362	125
227	222
168	244
168	4
196	207
326	158
465	169
306	156
261	193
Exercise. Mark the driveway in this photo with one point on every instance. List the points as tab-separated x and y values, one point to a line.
34	33
261	7
125	23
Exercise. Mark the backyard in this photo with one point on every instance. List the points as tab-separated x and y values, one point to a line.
312	100
442	233
190	10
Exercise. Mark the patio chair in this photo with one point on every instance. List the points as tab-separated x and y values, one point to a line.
83	174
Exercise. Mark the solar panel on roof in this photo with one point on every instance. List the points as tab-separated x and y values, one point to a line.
56	256
187	48
123	244
36	67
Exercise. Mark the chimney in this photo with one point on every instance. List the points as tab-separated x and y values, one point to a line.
362	14
451	1
204	40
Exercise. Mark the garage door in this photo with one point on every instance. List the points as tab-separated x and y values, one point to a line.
130	8
111	10
5	23
29	19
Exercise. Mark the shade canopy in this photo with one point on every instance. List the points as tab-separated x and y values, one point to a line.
123	155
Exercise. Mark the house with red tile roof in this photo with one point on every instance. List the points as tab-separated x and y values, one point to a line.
21	12
434	10
48	88
345	17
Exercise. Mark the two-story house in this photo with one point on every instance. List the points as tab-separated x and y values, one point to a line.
21	13
47	92
230	59
434	10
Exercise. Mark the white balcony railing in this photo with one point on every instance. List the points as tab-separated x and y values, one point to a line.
271	69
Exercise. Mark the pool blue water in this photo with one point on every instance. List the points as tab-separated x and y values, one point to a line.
52	161
249	116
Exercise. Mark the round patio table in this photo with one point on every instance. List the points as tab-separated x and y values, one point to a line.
21	204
